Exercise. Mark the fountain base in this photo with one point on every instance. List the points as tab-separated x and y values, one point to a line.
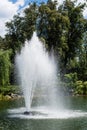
33	113
27	113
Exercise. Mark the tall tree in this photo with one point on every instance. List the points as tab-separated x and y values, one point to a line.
52	25
76	29
30	18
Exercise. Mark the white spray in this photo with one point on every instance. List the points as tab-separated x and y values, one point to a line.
37	69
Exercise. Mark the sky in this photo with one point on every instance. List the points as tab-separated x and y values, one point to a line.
8	8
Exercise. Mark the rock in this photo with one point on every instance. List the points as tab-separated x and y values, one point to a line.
7	97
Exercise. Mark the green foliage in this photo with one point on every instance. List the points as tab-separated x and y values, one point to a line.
15	36
75	86
30	18
75	29
82	60
1	43
7	90
52	26
5	65
81	87
63	30
70	80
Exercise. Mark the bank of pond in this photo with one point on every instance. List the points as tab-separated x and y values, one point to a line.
10	92
77	88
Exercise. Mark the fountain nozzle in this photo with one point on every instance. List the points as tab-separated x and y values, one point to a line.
27	113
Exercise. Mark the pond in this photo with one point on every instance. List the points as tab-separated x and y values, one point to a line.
77	105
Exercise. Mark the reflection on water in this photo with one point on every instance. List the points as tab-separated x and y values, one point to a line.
78	104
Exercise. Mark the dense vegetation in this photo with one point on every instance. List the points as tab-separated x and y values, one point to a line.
63	28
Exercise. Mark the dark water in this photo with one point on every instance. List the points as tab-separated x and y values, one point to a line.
75	103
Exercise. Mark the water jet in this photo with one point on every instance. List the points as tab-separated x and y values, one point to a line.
37	72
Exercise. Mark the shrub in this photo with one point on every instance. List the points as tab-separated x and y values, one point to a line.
70	80
81	87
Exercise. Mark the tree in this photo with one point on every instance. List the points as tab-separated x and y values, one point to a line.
62	28
30	19
76	29
52	26
82	60
5	65
15	36
21	28
1	43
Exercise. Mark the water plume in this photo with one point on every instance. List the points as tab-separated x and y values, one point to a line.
37	72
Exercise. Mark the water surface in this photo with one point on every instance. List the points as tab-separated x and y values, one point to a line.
75	104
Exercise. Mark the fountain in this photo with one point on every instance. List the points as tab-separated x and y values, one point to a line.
38	77
37	72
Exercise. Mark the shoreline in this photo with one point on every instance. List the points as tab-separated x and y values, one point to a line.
10	97
17	96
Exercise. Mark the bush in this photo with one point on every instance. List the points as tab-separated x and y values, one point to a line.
74	85
7	90
81	87
70	80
